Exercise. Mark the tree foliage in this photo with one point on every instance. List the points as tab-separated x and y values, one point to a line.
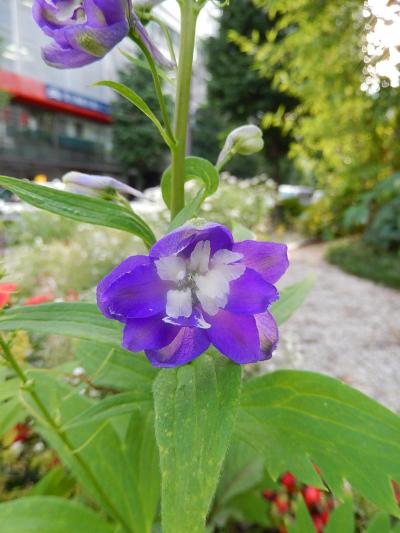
344	138
238	94
138	145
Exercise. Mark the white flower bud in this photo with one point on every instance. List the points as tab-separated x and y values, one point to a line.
245	140
97	186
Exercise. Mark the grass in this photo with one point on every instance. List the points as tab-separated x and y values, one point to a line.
366	261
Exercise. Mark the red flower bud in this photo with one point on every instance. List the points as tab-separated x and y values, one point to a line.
289	481
281	503
269	495
324	516
318	523
312	496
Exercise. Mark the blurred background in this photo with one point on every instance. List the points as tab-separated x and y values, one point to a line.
321	78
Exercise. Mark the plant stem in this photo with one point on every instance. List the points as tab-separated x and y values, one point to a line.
189	12
28	386
157	82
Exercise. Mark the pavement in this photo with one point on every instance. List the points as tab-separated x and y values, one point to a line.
348	328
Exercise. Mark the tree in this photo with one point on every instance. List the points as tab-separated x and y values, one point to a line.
138	146
237	93
344	137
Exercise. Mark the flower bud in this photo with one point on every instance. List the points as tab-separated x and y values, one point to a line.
245	140
97	186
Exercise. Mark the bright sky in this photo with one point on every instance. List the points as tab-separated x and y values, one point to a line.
385	35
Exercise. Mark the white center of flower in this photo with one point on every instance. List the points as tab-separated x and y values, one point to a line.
199	279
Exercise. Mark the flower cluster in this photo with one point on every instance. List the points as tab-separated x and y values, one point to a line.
283	501
197	287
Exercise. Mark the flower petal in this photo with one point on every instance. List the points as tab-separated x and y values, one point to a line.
267	258
235	336
56	56
188	344
147	333
132	290
268	332
184	239
250	294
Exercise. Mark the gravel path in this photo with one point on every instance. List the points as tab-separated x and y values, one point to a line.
348	327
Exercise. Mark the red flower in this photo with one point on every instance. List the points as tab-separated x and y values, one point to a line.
269	495
289	481
6	289
312	496
40	299
21	433
318	523
324	516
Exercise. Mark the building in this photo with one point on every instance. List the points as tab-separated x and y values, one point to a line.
57	119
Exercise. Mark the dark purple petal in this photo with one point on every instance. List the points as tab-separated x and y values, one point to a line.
188	344
56	56
149	333
113	10
184	239
96	41
268	332
235	336
137	294
250	294
267	258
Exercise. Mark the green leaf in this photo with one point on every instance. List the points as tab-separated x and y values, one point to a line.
114	367
303	523
195	409
196	168
49	515
297	419
72	319
291	298
189	211
379	524
342	518
138	102
113	406
8	388
57	482
98	459
11	413
79	207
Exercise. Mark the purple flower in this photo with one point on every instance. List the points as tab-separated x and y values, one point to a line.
197	287
84	31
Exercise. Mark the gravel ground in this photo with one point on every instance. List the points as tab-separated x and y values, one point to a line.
348	327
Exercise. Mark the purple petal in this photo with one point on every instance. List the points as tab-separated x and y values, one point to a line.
267	258
188	344
185	238
113	10
235	336
56	56
195	320
151	47
149	333
268	332
120	292
250	294
96	41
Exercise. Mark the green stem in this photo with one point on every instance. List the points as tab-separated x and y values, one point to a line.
189	12
28	386
157	82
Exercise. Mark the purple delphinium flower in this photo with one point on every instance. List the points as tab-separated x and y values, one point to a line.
84	31
197	287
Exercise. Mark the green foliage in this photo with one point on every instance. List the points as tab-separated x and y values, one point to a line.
362	259
384	230
303	523
195	408
138	146
342	518
298	419
291	298
78	207
237	94
49	515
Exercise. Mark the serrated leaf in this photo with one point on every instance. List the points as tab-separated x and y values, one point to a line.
79	207
197	169
297	419
380	523
195	408
115	367
303	522
72	319
48	514
342	518
291	298
138	102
